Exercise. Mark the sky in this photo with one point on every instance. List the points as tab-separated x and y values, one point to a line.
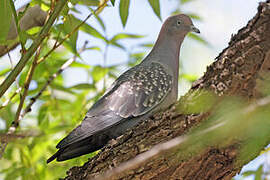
220	19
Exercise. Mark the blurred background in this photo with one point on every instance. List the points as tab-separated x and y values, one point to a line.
66	101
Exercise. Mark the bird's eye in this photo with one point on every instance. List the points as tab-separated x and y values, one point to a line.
178	22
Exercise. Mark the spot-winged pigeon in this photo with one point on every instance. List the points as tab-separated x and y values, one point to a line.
141	91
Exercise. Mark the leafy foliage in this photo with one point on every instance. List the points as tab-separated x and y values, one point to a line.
60	107
5	18
123	9
232	119
156	7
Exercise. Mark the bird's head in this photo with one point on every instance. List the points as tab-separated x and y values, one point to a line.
179	25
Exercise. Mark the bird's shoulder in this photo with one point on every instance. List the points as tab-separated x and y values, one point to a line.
144	73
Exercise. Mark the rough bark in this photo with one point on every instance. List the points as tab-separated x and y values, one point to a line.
238	70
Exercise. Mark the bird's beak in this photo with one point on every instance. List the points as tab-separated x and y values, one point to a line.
194	29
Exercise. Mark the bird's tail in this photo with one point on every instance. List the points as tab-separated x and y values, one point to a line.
56	155
76	149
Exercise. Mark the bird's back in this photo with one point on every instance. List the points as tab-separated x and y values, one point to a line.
134	95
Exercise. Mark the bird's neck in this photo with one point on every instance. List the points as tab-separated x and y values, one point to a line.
166	51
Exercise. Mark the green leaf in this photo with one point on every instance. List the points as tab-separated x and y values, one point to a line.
194	16
113	2
15	173
24	36
89	2
197	38
23	75
80	65
248	173
123	9
42	113
99	19
8	42
4	71
69	24
189	77
137	56
259	173
147	45
155	6
202	101
101	22
125	36
59	87
92	31
65	10
33	30
112	75
98	73
118	45
5	18
185	1
94	48
21	14
83	86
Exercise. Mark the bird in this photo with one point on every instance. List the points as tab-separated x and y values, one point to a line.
138	93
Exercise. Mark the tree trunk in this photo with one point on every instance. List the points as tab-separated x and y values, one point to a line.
237	71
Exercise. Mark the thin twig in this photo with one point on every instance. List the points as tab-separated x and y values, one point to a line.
12	67
17	24
10	61
104	65
26	56
18	116
34	99
56	45
31	17
12	96
17	119
3	87
51	78
12	137
17	84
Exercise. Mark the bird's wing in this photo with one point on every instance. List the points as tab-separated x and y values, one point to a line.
144	89
135	93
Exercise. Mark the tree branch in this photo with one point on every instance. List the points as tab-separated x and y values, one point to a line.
237	71
33	17
170	149
26	56
51	78
57	44
20	115
15	18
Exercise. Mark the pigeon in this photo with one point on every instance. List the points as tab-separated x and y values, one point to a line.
135	95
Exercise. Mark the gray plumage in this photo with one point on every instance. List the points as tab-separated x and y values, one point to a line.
135	95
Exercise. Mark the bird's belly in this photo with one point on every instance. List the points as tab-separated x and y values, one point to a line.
123	126
169	100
